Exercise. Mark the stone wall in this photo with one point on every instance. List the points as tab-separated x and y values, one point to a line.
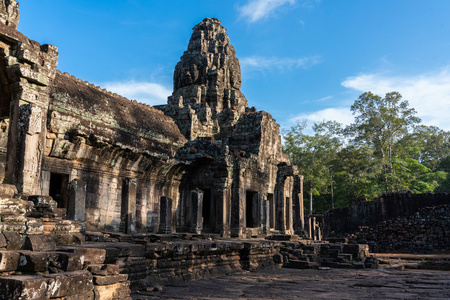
428	230
107	141
371	213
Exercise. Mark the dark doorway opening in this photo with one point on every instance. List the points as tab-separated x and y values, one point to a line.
251	209
124	205
206	210
58	189
271	210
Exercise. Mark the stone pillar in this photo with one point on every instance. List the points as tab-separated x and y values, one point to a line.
165	212
223	213
280	205
265	209
289	216
237	203
297	195
196	222
77	201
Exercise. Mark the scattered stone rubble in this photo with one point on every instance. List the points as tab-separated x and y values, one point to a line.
426	231
395	222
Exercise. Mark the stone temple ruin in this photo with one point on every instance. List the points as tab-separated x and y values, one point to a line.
103	196
203	163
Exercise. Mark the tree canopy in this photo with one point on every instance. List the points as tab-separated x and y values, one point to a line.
385	149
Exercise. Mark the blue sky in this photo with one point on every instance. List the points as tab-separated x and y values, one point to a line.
300	59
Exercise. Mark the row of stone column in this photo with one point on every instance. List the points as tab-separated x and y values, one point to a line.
194	215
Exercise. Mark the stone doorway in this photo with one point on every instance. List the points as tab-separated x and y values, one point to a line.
58	189
128	206
208	212
251	209
271	211
124	205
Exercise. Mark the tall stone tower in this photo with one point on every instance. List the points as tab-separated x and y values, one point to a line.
9	12
207	99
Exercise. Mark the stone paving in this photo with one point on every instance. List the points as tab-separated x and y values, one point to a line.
313	284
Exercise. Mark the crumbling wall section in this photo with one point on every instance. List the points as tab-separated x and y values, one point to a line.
26	70
371	213
428	230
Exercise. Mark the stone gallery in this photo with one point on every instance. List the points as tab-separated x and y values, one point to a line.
203	163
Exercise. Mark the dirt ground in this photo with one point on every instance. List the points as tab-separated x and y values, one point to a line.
313	284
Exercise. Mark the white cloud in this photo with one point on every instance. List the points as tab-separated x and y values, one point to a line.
145	92
428	93
342	115
265	63
259	9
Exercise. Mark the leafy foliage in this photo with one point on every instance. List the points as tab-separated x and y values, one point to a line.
386	149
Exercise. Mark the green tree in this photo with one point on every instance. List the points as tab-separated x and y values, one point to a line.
379	124
315	155
356	175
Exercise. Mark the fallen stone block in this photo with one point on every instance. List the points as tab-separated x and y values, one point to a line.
14	207
119	290
44	202
95	236
34	226
65	261
3	243
91	255
34	262
300	264
9	227
13	240
357	250
103	270
69	283
109	279
87	296
9	261
23	287
278	258
42	242
14	219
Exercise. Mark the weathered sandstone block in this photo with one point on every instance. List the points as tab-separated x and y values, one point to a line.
14	207
9	261
34	262
43	242
44	202
103	270
69	283
7	190
13	240
90	255
3	243
23	287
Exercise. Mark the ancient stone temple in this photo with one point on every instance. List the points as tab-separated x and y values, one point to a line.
203	163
